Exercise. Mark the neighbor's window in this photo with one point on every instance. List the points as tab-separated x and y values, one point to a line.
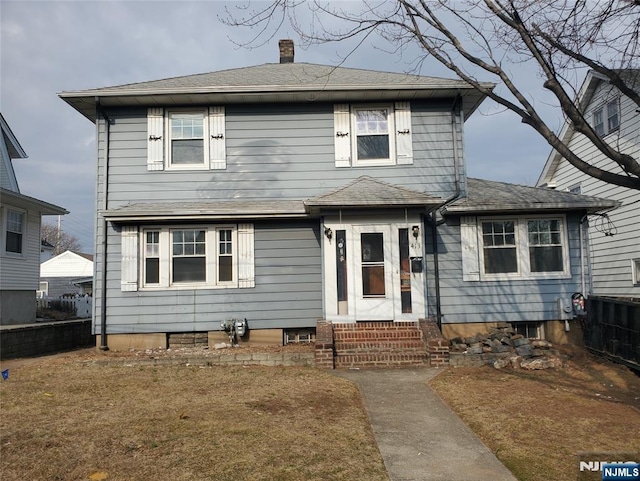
598	122
499	247
606	119
523	247
613	115
187	134
188	255
372	128
15	231
635	271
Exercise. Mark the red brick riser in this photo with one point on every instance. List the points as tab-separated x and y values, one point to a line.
370	344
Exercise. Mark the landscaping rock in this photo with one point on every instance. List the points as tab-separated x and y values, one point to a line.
520	342
500	363
515	361
539	343
524	351
537	363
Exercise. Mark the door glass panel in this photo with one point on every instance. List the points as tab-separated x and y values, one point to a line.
405	271
373	276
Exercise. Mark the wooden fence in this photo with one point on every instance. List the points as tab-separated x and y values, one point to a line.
77	306
612	329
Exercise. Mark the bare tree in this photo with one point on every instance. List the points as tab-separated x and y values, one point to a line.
488	38
62	240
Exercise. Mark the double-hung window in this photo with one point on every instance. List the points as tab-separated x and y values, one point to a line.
606	118
14	232
181	257
186	139
187	146
372	134
504	248
373	144
613	115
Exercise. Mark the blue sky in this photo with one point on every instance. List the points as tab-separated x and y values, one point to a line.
51	46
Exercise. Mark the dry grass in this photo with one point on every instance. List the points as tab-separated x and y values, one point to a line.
537	422
65	419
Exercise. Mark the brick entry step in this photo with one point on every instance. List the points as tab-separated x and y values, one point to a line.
371	344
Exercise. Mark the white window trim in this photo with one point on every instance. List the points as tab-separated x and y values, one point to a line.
603	110
204	165
473	249
211	256
159	139
3	242
399	132
390	135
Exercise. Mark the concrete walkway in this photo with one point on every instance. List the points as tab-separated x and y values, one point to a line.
419	437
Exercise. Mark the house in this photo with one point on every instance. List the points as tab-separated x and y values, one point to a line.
67	273
20	217
614	239
289	193
47	250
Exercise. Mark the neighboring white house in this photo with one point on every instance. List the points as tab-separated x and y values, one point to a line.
20	218
614	240
66	273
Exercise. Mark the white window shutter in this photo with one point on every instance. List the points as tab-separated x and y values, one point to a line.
129	258
342	136
404	136
217	140
246	261
155	139
469	244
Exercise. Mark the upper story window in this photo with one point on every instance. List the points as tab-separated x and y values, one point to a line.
14	237
186	139
606	119
494	249
187	148
373	144
369	135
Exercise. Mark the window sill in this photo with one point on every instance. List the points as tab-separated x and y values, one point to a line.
525	277
187	287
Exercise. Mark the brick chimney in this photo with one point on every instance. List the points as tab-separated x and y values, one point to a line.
286	51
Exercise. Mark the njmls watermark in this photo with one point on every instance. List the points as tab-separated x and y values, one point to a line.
609	466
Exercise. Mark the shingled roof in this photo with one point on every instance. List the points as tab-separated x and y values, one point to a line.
487	196
276	82
367	192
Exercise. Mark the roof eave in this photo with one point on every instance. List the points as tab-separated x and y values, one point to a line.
85	101
530	208
45	208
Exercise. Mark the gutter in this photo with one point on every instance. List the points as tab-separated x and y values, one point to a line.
103	293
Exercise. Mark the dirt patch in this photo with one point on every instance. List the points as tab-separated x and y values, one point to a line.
538	421
64	418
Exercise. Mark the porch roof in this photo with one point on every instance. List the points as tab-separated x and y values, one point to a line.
366	193
487	196
207	209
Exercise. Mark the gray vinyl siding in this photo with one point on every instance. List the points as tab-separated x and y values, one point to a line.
611	255
273	151
21	272
287	294
496	300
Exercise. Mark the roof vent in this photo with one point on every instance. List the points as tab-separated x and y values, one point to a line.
286	51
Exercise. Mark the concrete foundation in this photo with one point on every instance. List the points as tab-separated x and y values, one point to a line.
258	337
555	332
124	342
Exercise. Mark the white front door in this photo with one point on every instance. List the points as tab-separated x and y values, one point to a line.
375	275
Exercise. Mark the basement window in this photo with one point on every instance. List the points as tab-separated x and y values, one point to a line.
299	336
532	330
